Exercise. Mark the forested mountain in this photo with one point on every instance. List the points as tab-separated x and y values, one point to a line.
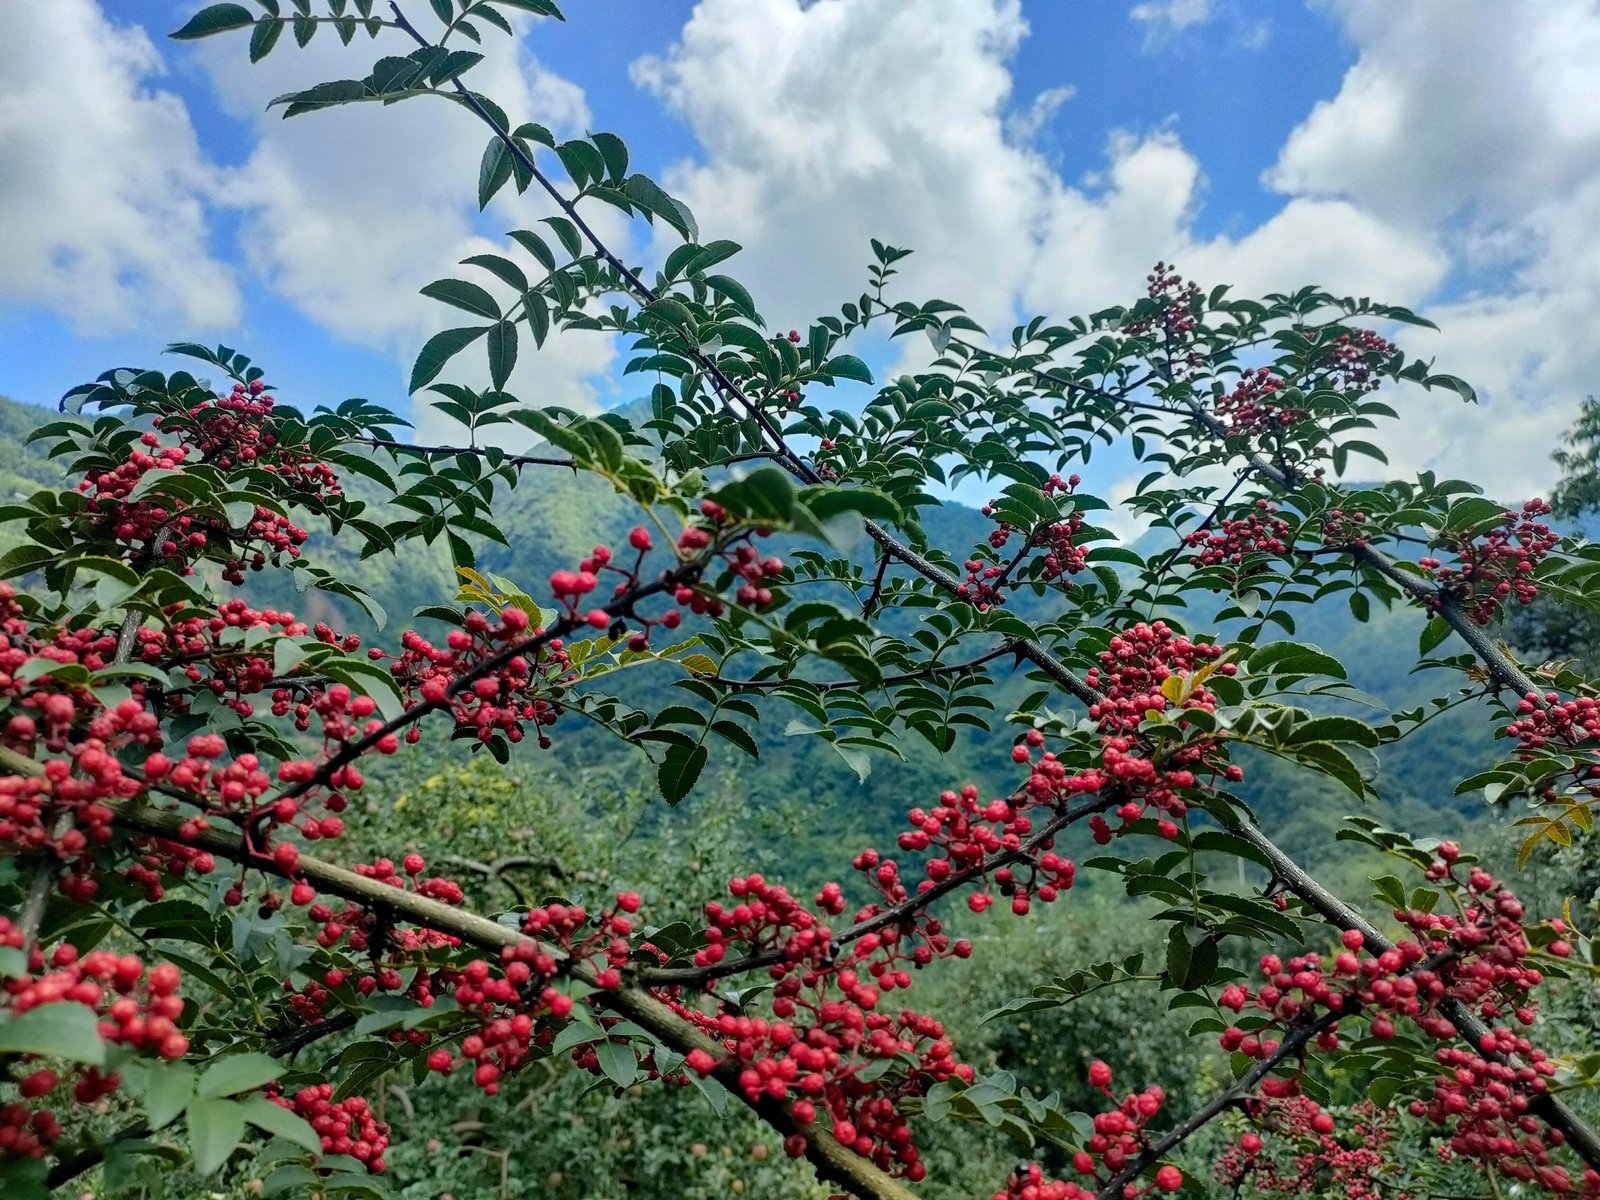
549	518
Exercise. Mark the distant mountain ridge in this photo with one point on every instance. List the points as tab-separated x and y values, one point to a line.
552	518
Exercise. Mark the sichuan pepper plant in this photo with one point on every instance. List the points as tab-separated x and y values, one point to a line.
186	945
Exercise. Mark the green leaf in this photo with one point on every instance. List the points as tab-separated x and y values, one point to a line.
215	18
1391	890
502	352
215	1129
1336	729
13	962
325	95
265	38
848	366
614	152
567	233
441	348
167	1091
648	194
237	1073
464	295
536	246
1434	632
1191	957
679	770
734	292
493	171
502	268
618	1061
302	1179
65	1029
538	313
280	1122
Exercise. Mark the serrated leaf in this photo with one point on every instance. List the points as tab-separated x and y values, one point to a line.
280	1122
65	1029
1433	633
502	352
215	18
464	295
265	38
680	769
237	1073
493	171
618	1061
168	1088
215	1130
440	349
848	366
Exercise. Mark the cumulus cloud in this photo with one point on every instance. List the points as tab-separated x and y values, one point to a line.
1473	124
1458	147
1164	20
1024	126
826	125
350	211
1457	169
102	182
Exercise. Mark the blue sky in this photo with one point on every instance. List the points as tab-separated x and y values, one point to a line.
1039	155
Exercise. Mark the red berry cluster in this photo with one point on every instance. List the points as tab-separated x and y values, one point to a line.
213	654
1234	542
239	431
146	531
137	1008
1062	557
66	809
1117	1141
983	583
521	690
1179	301
1477	957
1249	407
747	564
1501	565
970	831
1351	359
830	1022
1340	528
519	1009
1567	727
1318	1158
1144	784
345	1126
1135	665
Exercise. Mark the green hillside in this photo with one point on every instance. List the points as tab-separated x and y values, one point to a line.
550	520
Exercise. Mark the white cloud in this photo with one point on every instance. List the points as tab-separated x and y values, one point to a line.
1256	35
1164	20
1099	240
102	183
1473	124
1460	146
1461	141
826	125
351	211
1024	126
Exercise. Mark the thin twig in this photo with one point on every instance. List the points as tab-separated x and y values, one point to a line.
931	671
876	593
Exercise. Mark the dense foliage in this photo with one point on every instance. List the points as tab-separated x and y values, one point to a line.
187	757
